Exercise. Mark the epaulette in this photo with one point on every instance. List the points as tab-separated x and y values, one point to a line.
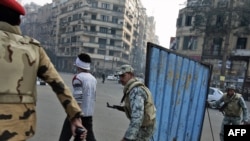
32	41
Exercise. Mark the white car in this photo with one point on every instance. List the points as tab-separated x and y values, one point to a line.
112	77
214	94
40	82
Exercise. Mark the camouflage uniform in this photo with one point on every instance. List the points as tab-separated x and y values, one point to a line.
233	111
141	111
22	60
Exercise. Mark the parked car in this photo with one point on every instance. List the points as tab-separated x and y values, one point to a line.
112	77
40	82
214	94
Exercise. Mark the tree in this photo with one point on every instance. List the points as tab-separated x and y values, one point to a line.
220	21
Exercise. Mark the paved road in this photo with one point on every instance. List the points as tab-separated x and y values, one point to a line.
109	124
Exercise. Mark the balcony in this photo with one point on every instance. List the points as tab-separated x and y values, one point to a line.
240	52
210	53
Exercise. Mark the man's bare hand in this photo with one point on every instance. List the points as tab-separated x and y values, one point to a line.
77	122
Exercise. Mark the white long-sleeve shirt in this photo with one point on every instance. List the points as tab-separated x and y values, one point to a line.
84	91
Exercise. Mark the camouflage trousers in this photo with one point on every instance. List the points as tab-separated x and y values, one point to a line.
228	121
146	133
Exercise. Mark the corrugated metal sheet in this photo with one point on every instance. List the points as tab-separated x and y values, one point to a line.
179	87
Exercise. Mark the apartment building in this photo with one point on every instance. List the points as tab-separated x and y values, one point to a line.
232	48
113	32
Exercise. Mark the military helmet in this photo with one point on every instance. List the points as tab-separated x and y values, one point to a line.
124	69
231	87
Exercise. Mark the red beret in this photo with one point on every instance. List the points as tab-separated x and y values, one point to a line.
14	5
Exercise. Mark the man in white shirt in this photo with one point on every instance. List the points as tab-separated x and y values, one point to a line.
84	91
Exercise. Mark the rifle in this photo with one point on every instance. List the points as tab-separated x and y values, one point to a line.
120	108
221	109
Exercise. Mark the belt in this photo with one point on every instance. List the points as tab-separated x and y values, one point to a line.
232	116
16	99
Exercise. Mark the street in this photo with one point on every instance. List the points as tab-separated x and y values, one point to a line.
109	124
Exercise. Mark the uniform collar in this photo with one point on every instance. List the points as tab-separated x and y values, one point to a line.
10	28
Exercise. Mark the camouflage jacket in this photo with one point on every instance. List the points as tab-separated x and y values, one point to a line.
139	108
22	59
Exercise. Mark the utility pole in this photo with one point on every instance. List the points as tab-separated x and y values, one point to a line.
226	45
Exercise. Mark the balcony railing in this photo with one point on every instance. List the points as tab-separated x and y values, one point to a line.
212	53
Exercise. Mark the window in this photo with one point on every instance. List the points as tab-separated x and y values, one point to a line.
103	30
94	4
211	91
101	52
76	5
111	53
190	42
73	39
216	47
174	43
104	18
114	19
188	21
241	43
92	28
69	19
75	28
112	42
89	50
113	31
75	16
179	21
68	40
219	20
91	39
93	16
102	41
105	6
117	8
64	10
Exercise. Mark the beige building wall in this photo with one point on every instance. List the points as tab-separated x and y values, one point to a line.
194	45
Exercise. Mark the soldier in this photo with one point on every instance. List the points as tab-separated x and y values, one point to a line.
22	59
233	106
138	106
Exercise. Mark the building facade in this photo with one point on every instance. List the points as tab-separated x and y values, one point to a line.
221	40
113	32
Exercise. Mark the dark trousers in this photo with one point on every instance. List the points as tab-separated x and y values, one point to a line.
66	133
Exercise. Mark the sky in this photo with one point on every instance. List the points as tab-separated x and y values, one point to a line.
164	11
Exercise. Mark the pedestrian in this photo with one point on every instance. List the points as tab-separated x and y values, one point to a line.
232	109
84	91
22	60
138	106
103	77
